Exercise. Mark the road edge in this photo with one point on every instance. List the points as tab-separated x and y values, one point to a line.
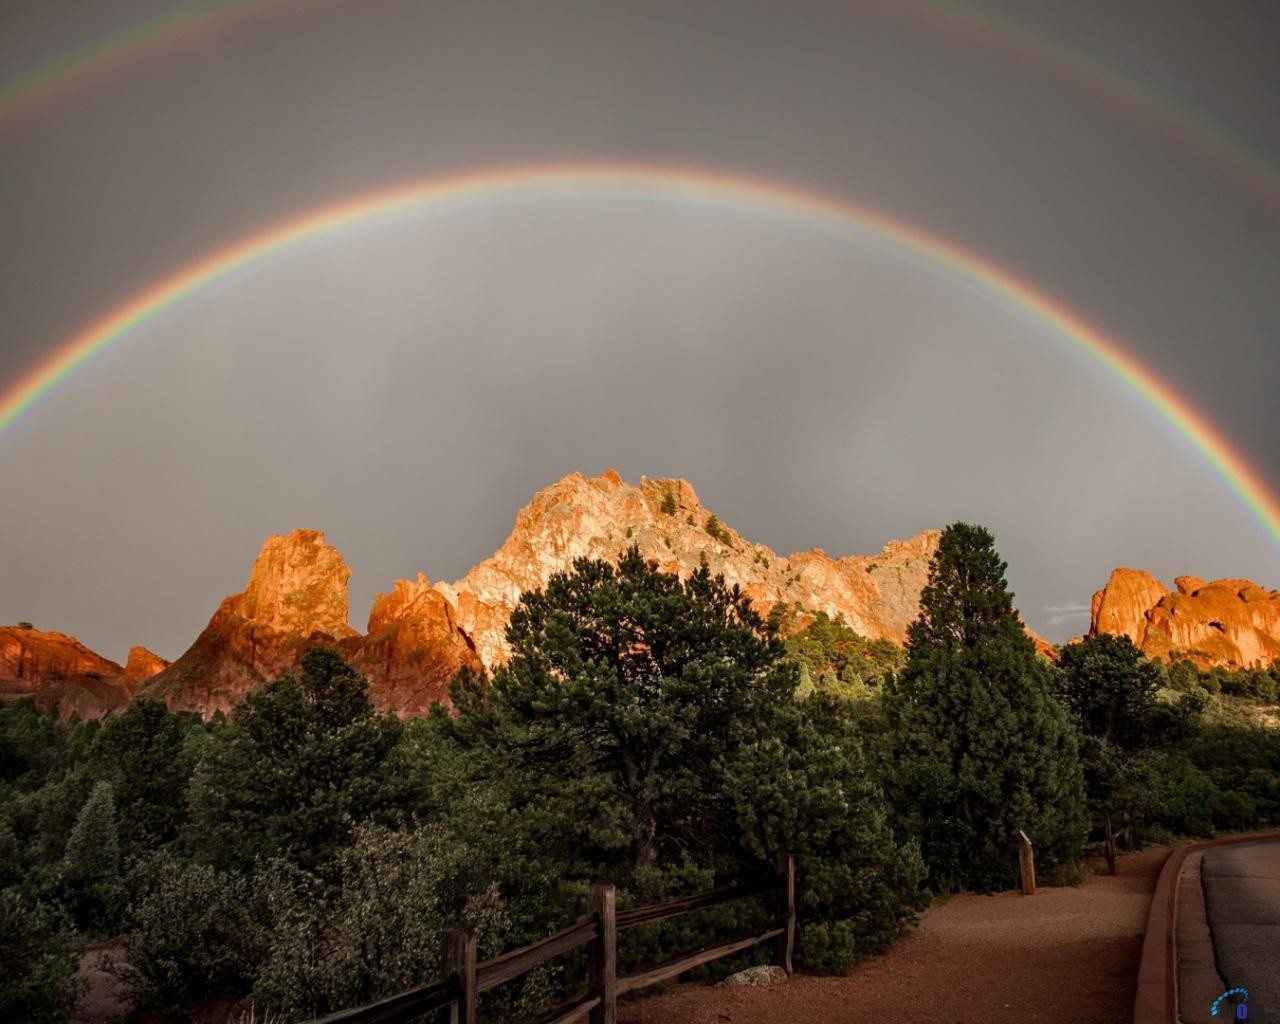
1156	999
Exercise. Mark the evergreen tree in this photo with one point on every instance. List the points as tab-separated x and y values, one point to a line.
302	760
91	866
669	506
980	748
1110	689
645	730
143	752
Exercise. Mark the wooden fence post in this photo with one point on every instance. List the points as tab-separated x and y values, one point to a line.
787	909
459	956
603	955
1026	864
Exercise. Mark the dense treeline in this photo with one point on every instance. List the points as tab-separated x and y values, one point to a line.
306	853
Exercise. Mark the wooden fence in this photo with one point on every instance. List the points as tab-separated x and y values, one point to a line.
463	979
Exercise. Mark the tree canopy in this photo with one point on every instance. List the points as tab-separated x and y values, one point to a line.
980	748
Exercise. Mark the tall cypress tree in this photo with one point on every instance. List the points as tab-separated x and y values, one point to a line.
980	747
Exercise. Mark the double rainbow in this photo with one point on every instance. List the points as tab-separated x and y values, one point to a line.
651	183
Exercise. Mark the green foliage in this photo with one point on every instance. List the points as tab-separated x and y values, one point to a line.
148	754
1182	675
980	749
1184	795
645	731
716	531
25	625
836	658
91	867
669	506
1111	690
189	934
37	963
302	760
374	932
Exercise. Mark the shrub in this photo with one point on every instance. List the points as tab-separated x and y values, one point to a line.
188	936
37	963
376	929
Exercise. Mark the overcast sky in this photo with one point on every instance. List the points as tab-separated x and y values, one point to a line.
407	388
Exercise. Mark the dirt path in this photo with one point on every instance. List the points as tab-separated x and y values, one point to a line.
1064	956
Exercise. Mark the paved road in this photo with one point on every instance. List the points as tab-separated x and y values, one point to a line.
1242	895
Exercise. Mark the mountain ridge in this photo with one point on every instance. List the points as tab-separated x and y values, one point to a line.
420	633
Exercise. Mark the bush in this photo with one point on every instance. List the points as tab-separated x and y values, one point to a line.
189	935
1184	795
374	932
37	963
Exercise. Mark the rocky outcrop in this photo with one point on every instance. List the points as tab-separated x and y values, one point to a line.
419	634
142	665
296	596
58	671
414	647
1230	623
1121	607
598	517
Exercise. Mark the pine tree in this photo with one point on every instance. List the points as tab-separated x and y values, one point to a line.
669	506
302	761
980	748
91	866
646	731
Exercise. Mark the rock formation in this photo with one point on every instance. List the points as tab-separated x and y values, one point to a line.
419	634
413	648
59	672
296	596
598	517
1229	623
142	665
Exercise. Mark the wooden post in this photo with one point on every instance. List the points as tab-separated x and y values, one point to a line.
459	961
1026	864
603	955
787	910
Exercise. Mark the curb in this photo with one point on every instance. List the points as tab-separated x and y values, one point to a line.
1156	1001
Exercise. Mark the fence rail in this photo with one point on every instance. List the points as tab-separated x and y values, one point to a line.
463	978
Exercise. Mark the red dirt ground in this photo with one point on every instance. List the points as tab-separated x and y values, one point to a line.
1063	956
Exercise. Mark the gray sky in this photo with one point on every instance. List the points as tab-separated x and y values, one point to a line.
407	388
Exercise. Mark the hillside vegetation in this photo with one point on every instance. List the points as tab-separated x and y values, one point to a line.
306	853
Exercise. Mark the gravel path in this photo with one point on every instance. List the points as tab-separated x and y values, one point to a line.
1064	956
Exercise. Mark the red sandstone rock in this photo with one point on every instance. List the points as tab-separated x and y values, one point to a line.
599	517
1121	606
143	664
59	672
1230	623
296	597
420	634
413	648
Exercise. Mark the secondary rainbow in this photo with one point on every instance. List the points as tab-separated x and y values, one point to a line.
579	181
77	69
74	71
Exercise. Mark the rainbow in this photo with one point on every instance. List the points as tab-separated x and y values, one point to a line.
1246	166
78	68
649	183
